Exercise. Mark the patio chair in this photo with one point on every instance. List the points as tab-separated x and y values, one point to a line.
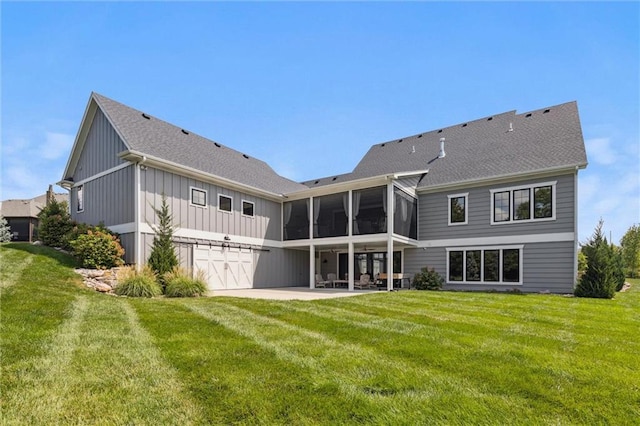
364	282
332	277
321	282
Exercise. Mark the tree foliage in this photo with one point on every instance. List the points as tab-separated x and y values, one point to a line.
5	232
55	223
630	244
599	279
163	257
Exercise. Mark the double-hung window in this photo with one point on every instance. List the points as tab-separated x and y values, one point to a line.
485	265
458	210
523	203
198	197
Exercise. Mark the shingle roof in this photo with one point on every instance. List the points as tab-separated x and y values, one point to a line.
28	208
547	138
157	138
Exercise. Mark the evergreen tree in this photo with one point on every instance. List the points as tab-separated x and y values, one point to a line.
599	278
163	257
5	232
630	244
618	267
55	223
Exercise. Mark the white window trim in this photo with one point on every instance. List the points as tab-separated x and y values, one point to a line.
466	208
206	197
242	207
226	196
80	197
531	187
483	249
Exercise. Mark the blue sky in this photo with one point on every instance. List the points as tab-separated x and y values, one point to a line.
308	87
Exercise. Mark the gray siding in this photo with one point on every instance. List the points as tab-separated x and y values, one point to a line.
108	199
101	148
127	242
265	223
433	213
546	267
273	267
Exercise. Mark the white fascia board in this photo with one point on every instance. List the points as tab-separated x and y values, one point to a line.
502	240
197	174
338	241
407	174
471	183
215	236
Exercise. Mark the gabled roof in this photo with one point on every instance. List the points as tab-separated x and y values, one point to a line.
147	135
506	144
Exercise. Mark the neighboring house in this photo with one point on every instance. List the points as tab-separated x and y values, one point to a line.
22	215
489	203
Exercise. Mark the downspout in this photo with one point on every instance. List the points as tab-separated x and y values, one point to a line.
137	246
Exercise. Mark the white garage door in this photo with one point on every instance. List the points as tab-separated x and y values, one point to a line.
225	268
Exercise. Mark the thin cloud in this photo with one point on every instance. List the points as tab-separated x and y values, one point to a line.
57	145
600	151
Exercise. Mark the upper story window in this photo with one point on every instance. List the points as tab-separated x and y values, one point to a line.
523	203
248	208
80	199
198	197
225	203
458	209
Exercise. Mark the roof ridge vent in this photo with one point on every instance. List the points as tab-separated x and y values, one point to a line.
528	115
184	131
245	156
546	111
217	144
146	116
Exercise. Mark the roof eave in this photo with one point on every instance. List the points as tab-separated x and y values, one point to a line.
502	178
159	163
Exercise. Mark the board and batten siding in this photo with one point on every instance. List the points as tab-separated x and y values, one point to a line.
272	266
433	212
265	224
100	150
546	267
127	241
108	199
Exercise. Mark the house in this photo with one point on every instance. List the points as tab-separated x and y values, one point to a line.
489	203
22	215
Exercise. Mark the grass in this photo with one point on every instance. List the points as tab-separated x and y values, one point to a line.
384	358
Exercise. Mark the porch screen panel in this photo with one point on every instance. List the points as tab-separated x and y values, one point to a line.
330	216
405	217
296	220
369	213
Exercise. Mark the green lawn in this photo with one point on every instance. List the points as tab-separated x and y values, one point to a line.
70	355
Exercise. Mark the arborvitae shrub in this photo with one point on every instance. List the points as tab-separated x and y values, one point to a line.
98	249
618	268
134	283
179	283
598	279
428	279
163	257
55	223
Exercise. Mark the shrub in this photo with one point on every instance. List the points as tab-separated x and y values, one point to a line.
5	232
163	258
134	283
179	283
599	278
428	279
98	249
55	223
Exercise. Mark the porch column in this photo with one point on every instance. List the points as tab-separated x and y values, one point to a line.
351	267
312	266
350	213
390	220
